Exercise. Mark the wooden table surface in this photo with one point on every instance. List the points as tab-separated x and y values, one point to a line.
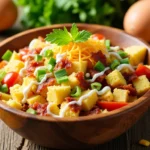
9	140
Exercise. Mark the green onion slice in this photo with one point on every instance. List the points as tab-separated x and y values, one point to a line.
122	54
38	58
7	55
52	61
4	88
40	74
62	79
114	64
2	75
124	61
96	85
76	91
99	66
31	111
50	67
60	73
107	43
48	53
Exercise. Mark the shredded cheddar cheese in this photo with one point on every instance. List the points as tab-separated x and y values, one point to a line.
81	51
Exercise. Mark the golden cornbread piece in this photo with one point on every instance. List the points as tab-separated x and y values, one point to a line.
14	65
77	67
121	95
54	109
4	96
16	93
89	102
115	79
72	81
108	96
141	84
56	94
136	54
37	98
68	112
14	104
15	56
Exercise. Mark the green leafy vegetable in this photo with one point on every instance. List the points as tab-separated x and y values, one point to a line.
63	37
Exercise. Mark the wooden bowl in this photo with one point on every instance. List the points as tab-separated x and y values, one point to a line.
79	132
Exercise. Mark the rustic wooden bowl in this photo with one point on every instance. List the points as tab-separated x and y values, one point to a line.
79	132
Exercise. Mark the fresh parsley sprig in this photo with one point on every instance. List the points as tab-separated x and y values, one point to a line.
63	37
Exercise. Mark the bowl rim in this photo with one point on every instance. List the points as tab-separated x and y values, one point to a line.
139	102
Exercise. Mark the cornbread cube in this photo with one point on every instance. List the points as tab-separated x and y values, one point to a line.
56	94
54	109
36	98
14	104
108	96
115	79
78	67
89	102
121	95
72	80
136	54
68	112
4	96
15	56
14	65
141	84
27	81
16	93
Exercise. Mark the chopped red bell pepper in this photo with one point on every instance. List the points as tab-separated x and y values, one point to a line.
111	105
142	70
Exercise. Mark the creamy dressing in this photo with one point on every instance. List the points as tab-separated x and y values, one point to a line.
79	102
45	49
59	57
116	55
122	66
87	75
114	48
28	55
21	72
27	89
32	43
98	75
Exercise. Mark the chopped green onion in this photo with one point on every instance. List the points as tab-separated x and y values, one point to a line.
4	88
52	61
96	85
40	74
99	66
38	58
48	53
122	54
114	64
62	79
60	73
2	75
31	111
50	67
124	61
107	43
76	91
7	55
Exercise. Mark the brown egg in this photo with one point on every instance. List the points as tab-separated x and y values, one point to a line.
8	14
137	20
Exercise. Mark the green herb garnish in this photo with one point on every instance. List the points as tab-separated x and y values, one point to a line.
63	37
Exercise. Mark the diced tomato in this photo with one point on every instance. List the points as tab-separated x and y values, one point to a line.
11	78
98	36
2	64
142	70
111	105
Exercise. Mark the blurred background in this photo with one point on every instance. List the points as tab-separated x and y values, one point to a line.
131	15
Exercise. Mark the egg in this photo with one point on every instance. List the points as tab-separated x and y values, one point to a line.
137	20
8	14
